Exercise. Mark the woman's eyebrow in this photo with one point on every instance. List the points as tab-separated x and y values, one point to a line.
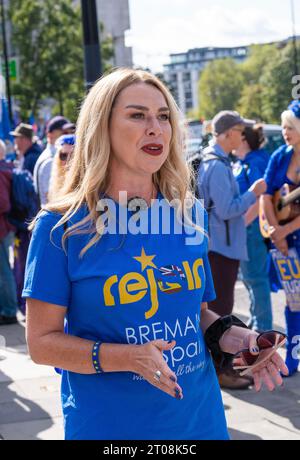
146	109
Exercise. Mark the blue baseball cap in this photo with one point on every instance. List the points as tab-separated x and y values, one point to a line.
68	139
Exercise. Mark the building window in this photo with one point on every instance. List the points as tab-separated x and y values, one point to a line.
189	104
186	76
181	58
210	55
179	67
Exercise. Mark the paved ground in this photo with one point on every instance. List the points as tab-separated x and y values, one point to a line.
264	415
30	401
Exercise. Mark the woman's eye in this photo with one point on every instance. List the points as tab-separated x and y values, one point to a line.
137	115
165	117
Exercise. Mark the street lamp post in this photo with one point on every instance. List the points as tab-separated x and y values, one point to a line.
92	53
6	66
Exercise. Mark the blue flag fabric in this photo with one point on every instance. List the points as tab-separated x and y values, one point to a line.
5	126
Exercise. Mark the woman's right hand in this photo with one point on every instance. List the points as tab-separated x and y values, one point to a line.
258	187
148	358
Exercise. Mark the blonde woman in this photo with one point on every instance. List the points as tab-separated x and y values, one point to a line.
135	364
64	149
284	168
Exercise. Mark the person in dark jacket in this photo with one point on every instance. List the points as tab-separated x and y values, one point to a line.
27	150
8	296
28	153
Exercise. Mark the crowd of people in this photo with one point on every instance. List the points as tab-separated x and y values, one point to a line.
140	324
232	194
30	171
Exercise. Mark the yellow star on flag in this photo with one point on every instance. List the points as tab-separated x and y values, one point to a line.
145	260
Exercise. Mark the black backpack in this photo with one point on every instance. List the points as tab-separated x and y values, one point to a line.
196	162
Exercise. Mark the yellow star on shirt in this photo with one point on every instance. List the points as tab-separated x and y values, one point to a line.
145	260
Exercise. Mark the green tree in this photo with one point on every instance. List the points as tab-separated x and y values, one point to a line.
250	104
277	83
47	36
220	87
260	88
255	64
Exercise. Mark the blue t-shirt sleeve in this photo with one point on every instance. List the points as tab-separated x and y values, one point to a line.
209	290
46	274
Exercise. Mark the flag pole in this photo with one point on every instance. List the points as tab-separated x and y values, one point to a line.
7	77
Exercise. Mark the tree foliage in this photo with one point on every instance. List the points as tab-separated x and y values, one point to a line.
250	104
47	36
220	87
277	83
260	88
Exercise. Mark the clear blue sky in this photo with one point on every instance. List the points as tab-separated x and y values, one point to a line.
162	27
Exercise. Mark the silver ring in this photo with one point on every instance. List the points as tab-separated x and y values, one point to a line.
157	376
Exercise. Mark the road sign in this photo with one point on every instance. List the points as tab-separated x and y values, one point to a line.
13	66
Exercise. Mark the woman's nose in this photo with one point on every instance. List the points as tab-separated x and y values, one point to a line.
153	127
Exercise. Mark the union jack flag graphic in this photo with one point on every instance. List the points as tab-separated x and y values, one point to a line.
172	270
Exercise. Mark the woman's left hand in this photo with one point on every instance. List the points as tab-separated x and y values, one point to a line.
278	233
268	372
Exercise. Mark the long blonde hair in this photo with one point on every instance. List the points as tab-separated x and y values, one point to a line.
87	176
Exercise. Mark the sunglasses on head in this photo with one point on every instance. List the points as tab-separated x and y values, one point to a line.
244	360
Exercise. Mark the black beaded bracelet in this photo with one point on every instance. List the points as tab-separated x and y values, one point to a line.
213	334
95	358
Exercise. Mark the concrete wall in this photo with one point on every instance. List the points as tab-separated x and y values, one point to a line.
114	14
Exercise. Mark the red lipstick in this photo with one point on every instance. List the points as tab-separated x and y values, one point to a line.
153	149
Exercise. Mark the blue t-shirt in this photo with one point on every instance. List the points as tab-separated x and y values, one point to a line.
276	173
276	177
131	289
251	168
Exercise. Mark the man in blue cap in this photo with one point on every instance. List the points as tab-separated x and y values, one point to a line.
42	170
